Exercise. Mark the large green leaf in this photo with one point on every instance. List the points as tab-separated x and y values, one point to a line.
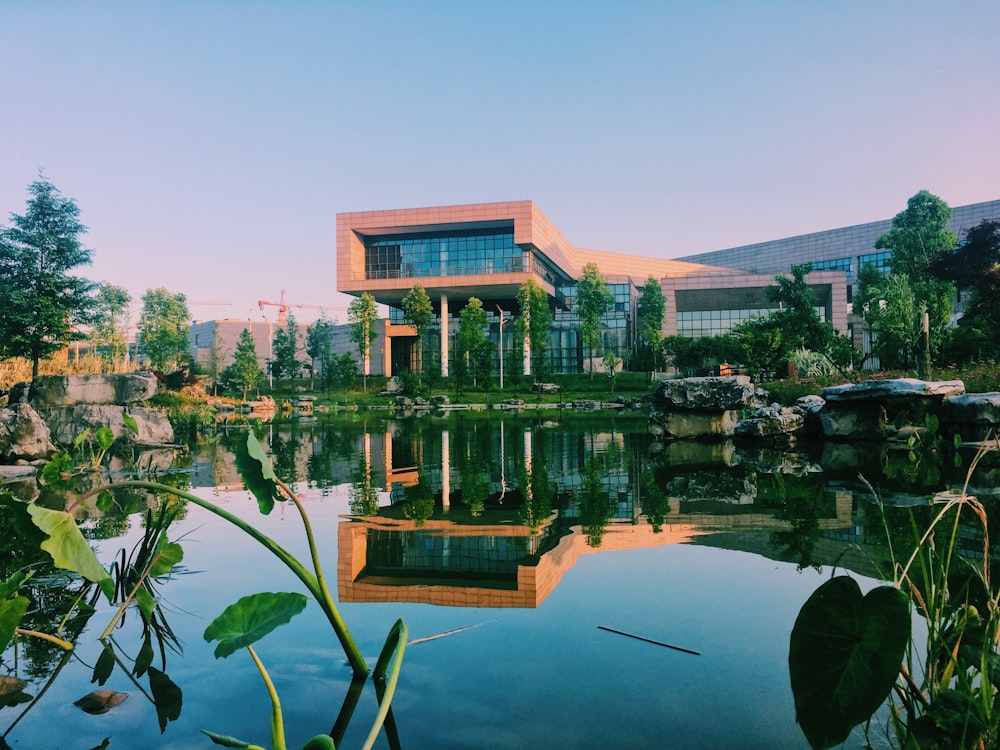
844	656
11	612
258	476
168	554
68	548
225	741
251	618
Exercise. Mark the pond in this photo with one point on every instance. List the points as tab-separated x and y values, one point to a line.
566	583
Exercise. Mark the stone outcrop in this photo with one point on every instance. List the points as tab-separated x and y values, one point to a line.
972	416
23	434
52	410
69	390
699	408
772	424
877	409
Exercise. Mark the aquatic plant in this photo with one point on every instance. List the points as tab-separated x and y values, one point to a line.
850	654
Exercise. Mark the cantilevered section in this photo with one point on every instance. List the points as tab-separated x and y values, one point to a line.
485	250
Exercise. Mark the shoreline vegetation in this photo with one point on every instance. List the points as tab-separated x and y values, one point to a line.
978	377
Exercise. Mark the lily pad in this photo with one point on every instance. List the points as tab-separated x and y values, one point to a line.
844	656
251	618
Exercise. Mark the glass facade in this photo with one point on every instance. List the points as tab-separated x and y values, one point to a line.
881	261
455	253
837	264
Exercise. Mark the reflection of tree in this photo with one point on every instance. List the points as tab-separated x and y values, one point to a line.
802	502
537	488
284	448
475	455
655	502
419	503
362	495
595	504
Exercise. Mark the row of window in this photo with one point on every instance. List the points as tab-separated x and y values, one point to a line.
457	253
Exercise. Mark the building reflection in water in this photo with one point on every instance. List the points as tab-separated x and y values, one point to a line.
502	556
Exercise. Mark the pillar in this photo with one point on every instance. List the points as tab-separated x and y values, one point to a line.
444	335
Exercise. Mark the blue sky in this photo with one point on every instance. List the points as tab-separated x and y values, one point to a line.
211	144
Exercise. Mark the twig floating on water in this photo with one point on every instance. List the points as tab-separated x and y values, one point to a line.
445	633
650	640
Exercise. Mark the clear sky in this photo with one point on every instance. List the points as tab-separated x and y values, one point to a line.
210	144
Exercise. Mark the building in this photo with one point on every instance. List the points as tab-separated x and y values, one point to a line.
489	250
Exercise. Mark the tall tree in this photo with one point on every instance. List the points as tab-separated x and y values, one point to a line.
362	315
534	322
110	321
40	301
418	312
919	235
244	372
475	352
593	301
319	347
284	350
652	309
975	267
164	325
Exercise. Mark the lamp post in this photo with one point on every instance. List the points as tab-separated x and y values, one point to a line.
500	310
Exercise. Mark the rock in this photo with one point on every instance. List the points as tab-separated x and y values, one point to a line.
69	390
23	434
689	424
546	388
896	388
67	422
972	408
770	425
402	402
711	394
440	400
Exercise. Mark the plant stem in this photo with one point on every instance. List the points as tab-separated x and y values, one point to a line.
65	645
277	723
311	582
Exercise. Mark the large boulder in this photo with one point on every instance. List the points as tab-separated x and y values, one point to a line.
879	409
972	416
709	394
23	434
686	425
66	422
68	390
771	425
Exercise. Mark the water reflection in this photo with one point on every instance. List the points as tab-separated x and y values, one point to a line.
480	511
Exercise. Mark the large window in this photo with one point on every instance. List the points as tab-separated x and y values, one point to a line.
881	261
453	253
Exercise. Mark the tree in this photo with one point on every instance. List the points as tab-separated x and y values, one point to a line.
534	322
418	312
40	301
363	318
918	235
974	266
319	347
244	372
164	325
284	348
110	321
475	352
593	301
652	309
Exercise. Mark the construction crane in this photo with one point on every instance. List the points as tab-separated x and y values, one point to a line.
283	306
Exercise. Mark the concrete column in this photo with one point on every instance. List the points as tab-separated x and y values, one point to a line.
445	469
444	335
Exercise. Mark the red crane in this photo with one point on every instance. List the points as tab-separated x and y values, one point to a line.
283	306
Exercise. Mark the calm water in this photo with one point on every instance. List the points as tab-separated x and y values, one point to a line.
527	539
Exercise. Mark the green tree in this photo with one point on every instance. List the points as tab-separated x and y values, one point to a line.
918	235
319	347
164	325
763	346
418	312
974	266
362	315
475	351
593	301
110	321
244	372
652	309
284	350
40	301
533	324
